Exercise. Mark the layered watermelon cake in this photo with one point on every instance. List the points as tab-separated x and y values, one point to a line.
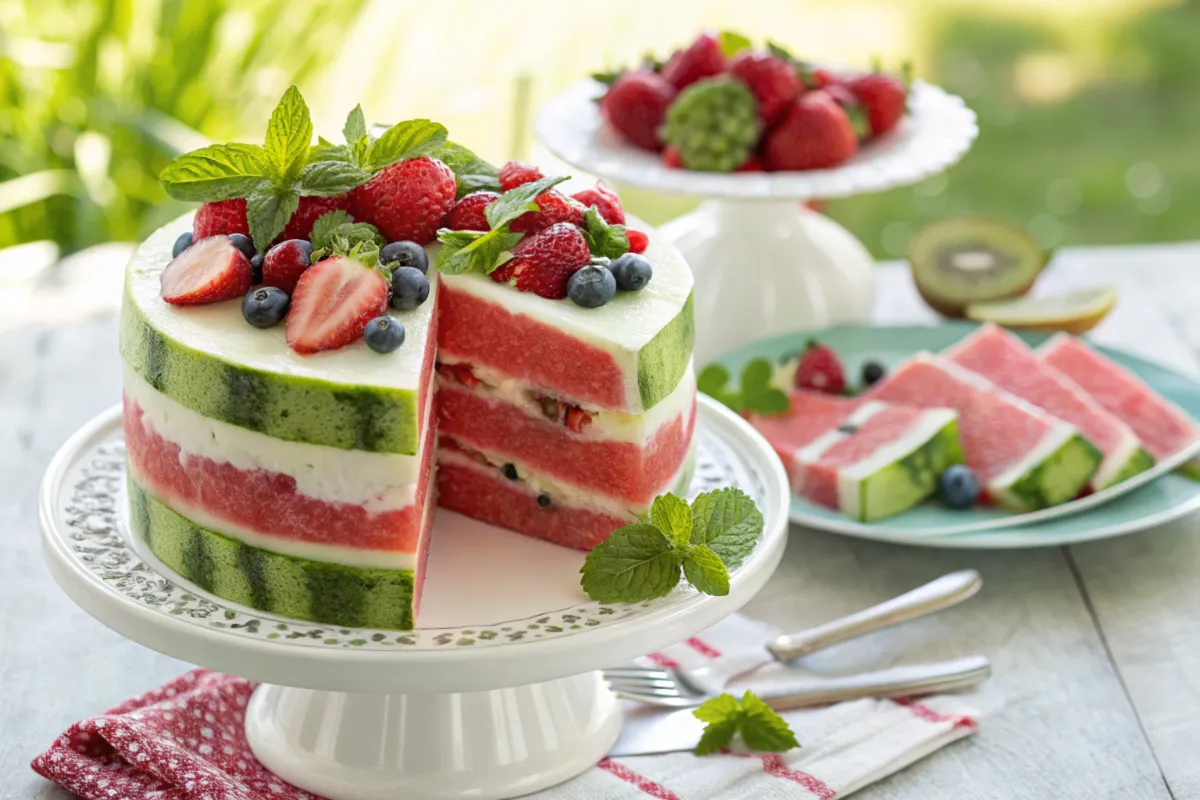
301	389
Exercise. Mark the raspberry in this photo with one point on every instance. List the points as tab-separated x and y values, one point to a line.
820	370
555	208
467	214
606	202
225	217
638	241
516	173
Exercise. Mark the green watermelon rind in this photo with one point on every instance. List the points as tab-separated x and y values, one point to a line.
298	588
663	361
1139	461
1057	478
911	479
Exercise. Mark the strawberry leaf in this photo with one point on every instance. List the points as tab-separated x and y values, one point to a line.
289	133
404	140
516	202
216	172
609	241
331	178
475	251
268	213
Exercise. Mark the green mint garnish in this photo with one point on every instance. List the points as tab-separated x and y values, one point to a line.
337	232
755	392
472	173
733	43
759	726
412	138
705	540
603	239
217	172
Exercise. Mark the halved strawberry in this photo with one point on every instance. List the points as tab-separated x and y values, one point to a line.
209	271
333	302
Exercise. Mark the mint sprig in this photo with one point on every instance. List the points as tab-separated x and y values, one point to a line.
337	232
411	138
759	726
755	391
704	541
603	239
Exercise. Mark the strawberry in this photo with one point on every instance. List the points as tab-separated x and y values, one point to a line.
884	98
225	217
638	241
462	373
813	134
821	78
773	82
516	173
576	419
855	111
333	302
209	271
671	158
702	59
467	213
820	370
285	262
636	105
606	202
544	262
299	224
406	200
555	207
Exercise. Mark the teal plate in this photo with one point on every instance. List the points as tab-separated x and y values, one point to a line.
1151	498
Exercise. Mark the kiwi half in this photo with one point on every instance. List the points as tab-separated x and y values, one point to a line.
961	261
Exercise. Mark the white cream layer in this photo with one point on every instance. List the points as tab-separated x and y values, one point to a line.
376	481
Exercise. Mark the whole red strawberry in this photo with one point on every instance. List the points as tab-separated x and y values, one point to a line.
555	207
467	213
855	111
671	158
606	202
884	98
516	173
285	262
635	107
752	164
814	133
333	302
773	82
299	225
702	59
406	200
225	217
544	262
820	369
638	241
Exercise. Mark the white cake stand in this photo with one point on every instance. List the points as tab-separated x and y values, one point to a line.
495	696
763	264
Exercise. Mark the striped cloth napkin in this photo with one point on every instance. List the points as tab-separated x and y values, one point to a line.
185	741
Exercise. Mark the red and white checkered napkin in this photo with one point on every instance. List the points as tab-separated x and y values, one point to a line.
185	741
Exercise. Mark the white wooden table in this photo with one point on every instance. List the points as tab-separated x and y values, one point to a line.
1096	648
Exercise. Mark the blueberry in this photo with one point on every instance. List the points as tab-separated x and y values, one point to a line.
591	287
543	500
410	288
404	254
182	243
265	306
256	269
632	272
872	372
244	243
510	472
958	486
384	334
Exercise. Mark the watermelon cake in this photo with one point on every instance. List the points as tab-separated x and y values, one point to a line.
1005	360
867	458
302	390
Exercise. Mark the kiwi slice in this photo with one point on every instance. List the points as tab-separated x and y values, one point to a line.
1074	312
961	261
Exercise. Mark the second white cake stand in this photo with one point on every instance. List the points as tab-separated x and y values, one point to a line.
494	696
763	264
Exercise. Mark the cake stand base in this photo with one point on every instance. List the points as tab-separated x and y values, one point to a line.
766	267
485	745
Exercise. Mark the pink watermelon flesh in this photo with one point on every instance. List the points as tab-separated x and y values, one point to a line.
1164	428
809	415
1008	362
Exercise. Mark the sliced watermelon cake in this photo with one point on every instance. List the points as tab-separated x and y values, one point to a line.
1005	360
1025	458
867	458
1164	428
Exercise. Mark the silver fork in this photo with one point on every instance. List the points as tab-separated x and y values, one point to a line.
910	679
711	678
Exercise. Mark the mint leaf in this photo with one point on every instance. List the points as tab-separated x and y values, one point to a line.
325	225
516	202
637	562
733	43
762	729
609	241
405	140
671	515
712	380
326	150
471	172
331	178
356	126
475	251
721	714
216	172
728	523
704	570
758	394
268	213
289	133
337	232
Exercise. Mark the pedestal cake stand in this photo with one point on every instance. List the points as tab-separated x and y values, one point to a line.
494	696
763	264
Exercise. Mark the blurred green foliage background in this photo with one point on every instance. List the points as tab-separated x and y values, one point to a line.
1089	110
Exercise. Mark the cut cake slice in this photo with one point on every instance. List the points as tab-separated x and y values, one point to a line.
867	458
1005	360
1025	458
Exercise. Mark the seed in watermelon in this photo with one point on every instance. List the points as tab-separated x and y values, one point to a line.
1073	312
962	261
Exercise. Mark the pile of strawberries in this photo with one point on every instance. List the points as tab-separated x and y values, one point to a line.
808	117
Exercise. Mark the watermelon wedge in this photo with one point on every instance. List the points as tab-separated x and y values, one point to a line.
1005	360
868	459
1164	428
1024	457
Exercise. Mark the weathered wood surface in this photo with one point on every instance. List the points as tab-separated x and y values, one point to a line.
1096	648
